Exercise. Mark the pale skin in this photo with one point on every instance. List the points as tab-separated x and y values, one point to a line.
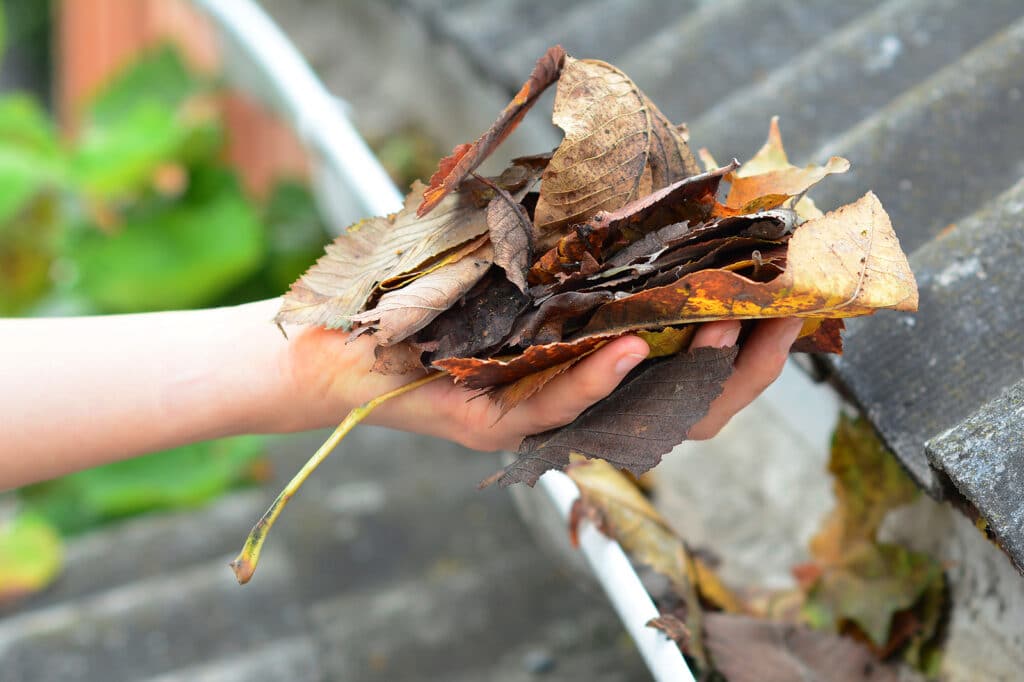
80	392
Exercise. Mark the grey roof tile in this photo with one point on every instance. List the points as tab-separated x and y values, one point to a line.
917	375
983	457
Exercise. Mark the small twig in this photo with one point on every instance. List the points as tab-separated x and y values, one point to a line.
244	564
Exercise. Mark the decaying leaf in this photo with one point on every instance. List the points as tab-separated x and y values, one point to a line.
856	583
512	236
405	311
508	396
668	341
465	158
846	263
484	373
618	146
674	628
649	413
546	323
820	335
621	510
371	251
868	483
478	323
868	588
748	649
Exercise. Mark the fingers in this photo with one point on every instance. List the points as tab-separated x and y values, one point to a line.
721	334
568	395
760	362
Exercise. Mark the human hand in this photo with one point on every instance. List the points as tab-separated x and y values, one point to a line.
330	376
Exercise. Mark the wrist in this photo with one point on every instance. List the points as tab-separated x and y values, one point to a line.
258	388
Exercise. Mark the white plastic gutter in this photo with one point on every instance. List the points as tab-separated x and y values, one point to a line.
260	59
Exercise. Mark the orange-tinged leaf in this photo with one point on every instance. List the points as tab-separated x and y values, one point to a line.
770	157
617	147
465	158
820	335
769	172
508	396
786	182
484	373
377	249
843	264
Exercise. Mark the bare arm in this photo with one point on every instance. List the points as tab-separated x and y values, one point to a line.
79	392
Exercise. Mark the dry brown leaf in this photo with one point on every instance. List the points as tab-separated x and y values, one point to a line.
845	263
405	311
785	183
374	250
481	321
754	650
511	234
465	158
647	415
546	322
617	147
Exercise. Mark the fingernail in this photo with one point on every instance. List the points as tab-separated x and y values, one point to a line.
628	362
729	337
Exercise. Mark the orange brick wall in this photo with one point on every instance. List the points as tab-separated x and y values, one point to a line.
97	37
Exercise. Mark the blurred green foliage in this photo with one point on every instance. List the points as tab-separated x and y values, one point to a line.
139	213
190	476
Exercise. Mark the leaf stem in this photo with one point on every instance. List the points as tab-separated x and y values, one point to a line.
245	563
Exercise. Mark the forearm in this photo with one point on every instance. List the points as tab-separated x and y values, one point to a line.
78	392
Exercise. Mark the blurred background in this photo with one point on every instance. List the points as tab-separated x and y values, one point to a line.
135	174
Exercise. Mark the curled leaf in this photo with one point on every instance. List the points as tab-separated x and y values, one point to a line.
511	234
618	146
465	158
405	311
484	373
845	263
768	179
374	250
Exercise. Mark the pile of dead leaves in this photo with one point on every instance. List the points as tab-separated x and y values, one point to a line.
505	282
859	610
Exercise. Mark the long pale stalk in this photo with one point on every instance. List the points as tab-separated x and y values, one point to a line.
244	564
